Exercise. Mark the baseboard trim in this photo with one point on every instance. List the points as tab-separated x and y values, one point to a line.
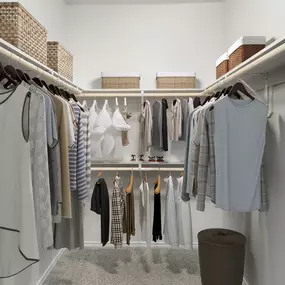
49	269
95	244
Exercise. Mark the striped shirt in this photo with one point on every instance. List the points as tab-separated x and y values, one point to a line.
87	143
77	158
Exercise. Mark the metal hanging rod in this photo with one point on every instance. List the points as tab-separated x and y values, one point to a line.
137	169
103	93
30	64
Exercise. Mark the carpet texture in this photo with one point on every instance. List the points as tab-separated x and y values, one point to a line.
128	266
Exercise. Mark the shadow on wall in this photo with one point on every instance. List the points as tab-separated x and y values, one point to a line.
96	83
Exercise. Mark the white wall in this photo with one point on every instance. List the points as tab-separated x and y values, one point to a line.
144	38
253	18
50	13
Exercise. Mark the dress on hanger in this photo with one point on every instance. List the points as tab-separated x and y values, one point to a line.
170	223
156	226
176	120
18	235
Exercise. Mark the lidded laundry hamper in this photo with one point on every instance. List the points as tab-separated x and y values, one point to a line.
244	48
222	257
120	80
59	59
175	80
222	65
19	28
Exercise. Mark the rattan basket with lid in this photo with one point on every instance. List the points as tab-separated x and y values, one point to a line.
222	65
120	80
244	48
21	29
175	80
60	60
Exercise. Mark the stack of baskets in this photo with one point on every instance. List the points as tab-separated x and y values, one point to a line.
240	51
21	29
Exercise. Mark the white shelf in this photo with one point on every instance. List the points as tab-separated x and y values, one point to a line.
10	54
267	60
97	93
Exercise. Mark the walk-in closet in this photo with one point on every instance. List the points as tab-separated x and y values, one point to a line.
142	142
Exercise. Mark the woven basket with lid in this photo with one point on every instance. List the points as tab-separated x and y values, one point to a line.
120	80
60	60
21	29
175	80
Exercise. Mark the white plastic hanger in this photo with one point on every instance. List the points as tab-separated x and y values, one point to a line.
116	101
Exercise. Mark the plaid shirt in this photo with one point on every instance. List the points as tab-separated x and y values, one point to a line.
206	165
87	143
118	224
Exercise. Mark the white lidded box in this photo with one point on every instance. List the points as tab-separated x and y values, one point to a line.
244	48
175	80
115	80
222	65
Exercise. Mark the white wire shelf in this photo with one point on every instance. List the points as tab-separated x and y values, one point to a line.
103	93
267	60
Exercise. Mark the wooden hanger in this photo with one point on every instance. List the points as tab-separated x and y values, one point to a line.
130	186
100	174
158	186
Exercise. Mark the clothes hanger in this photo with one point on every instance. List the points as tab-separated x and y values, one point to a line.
22	76
100	174
239	87
5	75
208	98
130	186
13	73
116	102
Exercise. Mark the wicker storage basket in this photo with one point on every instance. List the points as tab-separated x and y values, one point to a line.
21	29
222	65
60	60
120	81
173	80
244	48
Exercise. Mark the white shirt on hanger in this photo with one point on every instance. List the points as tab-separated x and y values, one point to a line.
240	127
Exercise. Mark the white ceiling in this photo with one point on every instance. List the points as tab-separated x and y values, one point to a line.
137	1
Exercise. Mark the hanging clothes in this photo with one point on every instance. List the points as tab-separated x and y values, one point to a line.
164	127
170	222
176	120
130	216
69	233
40	170
156	227
118	224
145	127
184	119
87	144
63	130
100	205
157	125
234	118
18	235
183	217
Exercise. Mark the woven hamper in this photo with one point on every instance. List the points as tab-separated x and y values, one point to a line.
120	81
175	80
60	60
22	30
222	65
244	48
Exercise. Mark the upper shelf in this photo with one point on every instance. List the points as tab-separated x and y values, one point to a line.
9	53
267	60
91	93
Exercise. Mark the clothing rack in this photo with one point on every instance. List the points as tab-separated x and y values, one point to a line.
105	93
11	54
137	169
